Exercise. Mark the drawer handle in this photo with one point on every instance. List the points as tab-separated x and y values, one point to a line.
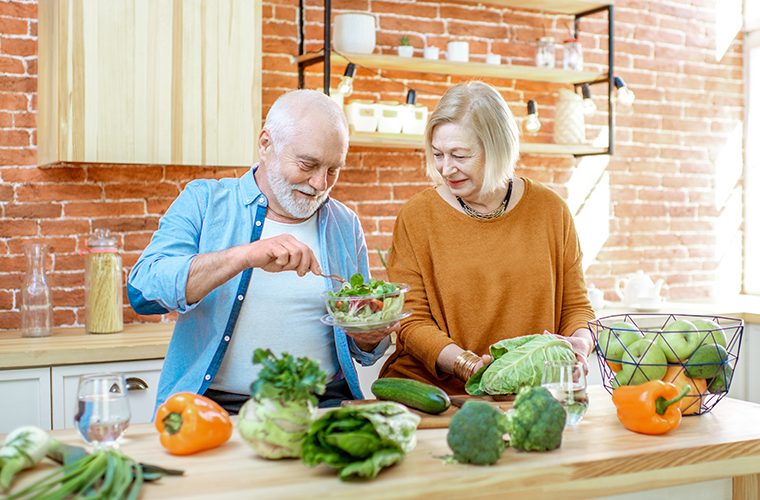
136	384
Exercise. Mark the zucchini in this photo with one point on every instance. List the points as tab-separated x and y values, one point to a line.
414	394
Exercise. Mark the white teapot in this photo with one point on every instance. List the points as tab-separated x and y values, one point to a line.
638	289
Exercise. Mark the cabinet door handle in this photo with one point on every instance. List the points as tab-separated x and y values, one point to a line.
136	384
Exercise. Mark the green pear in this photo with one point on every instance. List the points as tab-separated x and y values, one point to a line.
677	340
616	337
712	332
643	360
721	380
706	362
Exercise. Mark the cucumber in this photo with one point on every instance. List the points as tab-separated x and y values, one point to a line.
414	394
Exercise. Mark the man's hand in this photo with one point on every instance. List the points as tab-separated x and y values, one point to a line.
368	340
282	253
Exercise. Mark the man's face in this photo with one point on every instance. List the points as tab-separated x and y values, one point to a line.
303	169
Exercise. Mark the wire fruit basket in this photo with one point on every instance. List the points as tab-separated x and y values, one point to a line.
701	351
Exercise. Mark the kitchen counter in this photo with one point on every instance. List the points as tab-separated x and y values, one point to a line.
74	346
599	457
746	307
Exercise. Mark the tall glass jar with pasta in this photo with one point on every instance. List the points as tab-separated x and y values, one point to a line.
103	284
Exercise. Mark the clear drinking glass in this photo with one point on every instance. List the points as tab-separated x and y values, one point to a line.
566	381
103	409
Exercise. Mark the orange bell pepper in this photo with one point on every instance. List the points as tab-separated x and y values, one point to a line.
189	423
649	408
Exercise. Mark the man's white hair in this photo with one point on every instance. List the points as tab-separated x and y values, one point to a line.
289	111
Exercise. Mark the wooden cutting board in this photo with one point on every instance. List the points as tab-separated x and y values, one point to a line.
442	420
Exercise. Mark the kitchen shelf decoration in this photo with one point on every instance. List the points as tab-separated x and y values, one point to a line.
577	8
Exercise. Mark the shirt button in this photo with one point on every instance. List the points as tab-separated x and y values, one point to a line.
207	377
226	338
262	201
240	297
258	222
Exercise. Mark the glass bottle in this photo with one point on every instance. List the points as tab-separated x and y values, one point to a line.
545	52
103	284
36	304
572	57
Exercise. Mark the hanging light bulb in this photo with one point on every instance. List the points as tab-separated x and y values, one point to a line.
532	123
589	108
625	96
346	85
411	97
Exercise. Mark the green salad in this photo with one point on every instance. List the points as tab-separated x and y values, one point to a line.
358	302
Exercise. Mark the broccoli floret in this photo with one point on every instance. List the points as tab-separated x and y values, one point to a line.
536	421
475	433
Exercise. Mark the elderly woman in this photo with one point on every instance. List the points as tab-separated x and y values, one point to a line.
488	255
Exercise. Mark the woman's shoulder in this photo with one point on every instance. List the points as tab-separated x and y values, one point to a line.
420	202
543	195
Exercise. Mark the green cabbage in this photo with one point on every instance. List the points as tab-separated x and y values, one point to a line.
518	362
361	440
275	428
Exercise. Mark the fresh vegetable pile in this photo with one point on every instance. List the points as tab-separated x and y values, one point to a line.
360	302
535	423
275	420
361	440
518	362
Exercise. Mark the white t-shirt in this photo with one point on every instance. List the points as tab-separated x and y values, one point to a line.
281	312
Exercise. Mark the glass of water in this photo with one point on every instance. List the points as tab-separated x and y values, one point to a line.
102	409
566	381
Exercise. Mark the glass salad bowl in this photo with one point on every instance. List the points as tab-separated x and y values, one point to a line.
359	306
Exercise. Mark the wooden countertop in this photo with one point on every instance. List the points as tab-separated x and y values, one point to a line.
599	457
746	307
68	346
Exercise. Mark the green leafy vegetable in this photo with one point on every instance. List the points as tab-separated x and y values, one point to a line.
23	448
275	420
361	440
476	433
516	363
359	303
287	378
536	421
355	286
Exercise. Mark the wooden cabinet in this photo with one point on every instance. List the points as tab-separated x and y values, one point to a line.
142	382
149	81
25	396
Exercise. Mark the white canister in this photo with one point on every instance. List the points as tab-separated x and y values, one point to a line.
354	33
415	119
569	123
458	51
391	117
493	59
362	115
431	53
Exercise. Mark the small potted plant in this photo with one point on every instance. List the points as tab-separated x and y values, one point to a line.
405	48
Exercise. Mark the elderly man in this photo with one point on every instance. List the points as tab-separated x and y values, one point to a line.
220	252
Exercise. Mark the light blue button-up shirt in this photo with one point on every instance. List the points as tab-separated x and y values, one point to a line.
212	215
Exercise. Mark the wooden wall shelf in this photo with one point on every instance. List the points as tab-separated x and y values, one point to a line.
443	67
554	6
405	141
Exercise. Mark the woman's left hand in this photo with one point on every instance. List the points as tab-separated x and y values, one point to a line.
579	345
367	340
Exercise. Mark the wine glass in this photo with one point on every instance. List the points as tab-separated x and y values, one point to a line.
566	382
102	409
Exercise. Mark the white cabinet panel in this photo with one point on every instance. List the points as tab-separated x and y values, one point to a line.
65	380
751	360
25	396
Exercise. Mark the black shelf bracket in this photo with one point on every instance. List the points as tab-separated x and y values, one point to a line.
323	58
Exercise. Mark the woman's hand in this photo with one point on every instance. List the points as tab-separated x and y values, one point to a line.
581	343
448	356
367	340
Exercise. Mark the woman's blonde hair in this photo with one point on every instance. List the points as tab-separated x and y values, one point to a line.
479	106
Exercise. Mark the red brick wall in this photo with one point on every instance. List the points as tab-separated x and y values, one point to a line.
662	180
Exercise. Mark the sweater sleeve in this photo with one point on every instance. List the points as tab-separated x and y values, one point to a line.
419	334
576	308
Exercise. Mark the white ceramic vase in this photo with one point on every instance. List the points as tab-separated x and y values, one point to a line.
458	51
354	33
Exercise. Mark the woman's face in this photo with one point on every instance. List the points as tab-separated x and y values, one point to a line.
459	159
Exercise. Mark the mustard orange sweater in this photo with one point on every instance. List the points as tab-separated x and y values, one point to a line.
476	282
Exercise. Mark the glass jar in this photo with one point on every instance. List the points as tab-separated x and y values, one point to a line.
572	55
103	284
545	52
36	304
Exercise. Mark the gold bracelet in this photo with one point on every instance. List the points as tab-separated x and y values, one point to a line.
464	365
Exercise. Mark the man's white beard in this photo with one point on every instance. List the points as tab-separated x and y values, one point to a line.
294	206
